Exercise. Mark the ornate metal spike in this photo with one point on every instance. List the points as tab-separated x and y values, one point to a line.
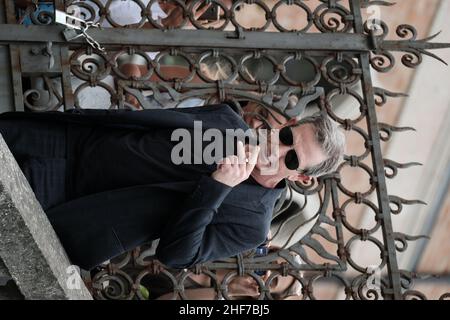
387	129
383	94
413	48
399	202
432	55
414	275
394	128
403	238
394	166
368	3
318	248
383	60
317	229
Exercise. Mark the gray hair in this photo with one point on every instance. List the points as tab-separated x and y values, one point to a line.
332	140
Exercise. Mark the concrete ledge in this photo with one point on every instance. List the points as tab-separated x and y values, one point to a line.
29	247
4	274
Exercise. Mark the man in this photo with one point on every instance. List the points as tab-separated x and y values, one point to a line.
107	183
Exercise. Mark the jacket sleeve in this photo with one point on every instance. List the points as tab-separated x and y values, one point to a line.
190	238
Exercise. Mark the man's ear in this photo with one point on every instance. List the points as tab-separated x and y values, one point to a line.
304	178
291	122
299	177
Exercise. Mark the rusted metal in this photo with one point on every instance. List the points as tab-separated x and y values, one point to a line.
234	62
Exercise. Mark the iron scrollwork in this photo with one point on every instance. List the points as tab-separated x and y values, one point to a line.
319	248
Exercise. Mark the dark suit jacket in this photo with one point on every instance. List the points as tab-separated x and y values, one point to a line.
196	221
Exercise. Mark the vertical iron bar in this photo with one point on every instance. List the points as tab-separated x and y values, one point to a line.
16	75
66	79
66	83
10	12
332	184
377	162
6	90
14	53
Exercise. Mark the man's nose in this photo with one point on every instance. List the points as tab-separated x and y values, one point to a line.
277	153
283	149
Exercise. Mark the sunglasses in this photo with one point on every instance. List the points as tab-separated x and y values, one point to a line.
291	159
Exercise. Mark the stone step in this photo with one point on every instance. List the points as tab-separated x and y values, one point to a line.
29	247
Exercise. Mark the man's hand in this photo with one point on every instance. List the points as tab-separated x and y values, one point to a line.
234	169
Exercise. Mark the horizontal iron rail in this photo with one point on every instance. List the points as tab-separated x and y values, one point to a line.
13	33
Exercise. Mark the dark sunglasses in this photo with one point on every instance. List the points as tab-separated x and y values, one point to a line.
291	159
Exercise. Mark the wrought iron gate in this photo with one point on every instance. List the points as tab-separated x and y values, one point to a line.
215	56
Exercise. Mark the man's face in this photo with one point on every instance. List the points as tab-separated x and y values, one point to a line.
305	145
308	151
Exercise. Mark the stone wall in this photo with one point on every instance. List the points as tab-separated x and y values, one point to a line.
29	247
